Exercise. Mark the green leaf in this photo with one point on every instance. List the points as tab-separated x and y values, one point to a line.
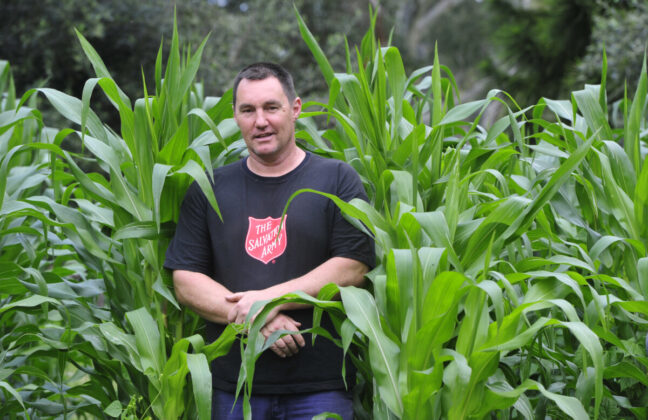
327	415
621	205
114	409
318	54
642	270
118	337
222	345
569	405
30	302
361	310
463	111
632	128
193	169
590	342
147	338
139	230
72	109
397	83
164	291
159	175
641	198
588	103
505	214
474	326
13	393
202	384
557	180
625	370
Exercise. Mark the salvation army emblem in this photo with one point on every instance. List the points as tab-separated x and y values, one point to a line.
261	242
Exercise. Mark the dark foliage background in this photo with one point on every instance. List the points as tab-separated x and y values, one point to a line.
530	48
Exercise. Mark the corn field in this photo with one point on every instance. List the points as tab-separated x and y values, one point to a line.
512	269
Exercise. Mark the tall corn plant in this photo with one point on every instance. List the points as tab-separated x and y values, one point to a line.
490	296
48	296
123	214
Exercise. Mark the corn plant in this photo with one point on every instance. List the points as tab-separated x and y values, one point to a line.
49	297
512	258
119	220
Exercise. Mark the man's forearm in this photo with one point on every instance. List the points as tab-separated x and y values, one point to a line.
339	270
203	295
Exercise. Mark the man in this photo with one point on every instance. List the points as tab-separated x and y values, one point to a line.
220	268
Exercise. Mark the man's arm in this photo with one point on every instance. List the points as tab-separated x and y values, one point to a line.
203	295
339	270
206	297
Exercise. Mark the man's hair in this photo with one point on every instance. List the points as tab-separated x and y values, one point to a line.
261	71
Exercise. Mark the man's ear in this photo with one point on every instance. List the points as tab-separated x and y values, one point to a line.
296	107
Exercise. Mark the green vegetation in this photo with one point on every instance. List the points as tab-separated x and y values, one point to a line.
513	258
84	251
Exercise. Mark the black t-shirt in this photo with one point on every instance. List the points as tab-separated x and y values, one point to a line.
242	254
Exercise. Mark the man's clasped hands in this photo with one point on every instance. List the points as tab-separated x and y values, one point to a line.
286	346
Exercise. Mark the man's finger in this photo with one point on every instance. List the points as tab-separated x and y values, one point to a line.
299	339
235	297
291	346
237	315
278	351
282	345
231	316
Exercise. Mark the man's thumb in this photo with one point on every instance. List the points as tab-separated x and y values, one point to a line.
234	297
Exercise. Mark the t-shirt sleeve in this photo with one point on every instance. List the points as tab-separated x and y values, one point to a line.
190	248
346	240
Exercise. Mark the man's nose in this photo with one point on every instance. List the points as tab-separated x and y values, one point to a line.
260	119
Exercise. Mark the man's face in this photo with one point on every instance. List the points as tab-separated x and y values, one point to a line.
266	117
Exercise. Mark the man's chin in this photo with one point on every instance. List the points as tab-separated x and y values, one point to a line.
265	153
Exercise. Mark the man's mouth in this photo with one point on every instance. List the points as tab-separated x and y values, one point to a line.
263	136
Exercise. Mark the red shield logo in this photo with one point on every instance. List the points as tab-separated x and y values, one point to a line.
262	242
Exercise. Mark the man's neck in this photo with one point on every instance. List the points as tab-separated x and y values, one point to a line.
278	166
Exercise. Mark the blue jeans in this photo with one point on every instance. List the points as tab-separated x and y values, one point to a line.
284	407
